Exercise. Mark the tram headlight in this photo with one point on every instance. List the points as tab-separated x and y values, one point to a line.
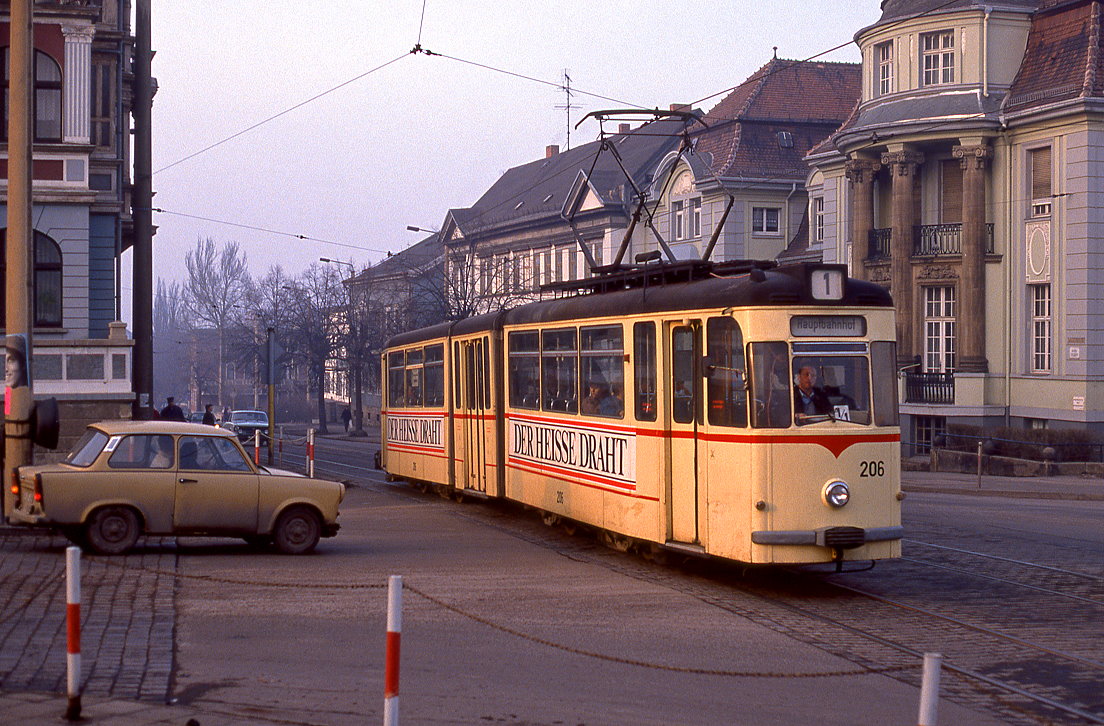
836	494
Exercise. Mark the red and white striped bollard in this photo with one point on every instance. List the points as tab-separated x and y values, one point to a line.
257	447
310	453
391	664
72	621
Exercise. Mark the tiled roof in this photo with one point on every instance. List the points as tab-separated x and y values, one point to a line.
537	190
899	9
1063	57
805	100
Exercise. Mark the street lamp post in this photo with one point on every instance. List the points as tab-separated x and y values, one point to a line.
353	355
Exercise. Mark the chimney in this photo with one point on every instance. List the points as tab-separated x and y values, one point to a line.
680	107
551	150
623	128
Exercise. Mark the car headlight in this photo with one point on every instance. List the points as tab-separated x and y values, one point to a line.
836	494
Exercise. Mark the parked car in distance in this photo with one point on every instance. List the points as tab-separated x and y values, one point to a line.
246	423
195	417
125	479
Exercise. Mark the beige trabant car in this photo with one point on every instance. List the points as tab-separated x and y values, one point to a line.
124	479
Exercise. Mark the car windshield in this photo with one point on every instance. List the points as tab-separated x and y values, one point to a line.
249	417
87	449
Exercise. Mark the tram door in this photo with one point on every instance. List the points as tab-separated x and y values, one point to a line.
474	414
683	406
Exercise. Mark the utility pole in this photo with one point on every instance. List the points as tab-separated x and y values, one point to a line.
143	213
18	394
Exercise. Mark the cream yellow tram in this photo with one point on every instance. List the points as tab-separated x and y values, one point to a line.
727	409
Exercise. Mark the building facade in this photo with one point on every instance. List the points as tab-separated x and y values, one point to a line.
738	181
81	203
968	181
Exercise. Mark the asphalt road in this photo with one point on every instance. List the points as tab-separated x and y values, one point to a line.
508	621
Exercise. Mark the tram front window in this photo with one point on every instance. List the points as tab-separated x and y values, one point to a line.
831	388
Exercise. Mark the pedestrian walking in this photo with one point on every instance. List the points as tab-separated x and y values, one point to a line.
209	415
346	417
172	412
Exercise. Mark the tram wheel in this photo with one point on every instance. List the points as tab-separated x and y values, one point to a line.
615	541
549	519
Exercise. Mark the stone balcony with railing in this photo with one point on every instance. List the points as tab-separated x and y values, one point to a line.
933	388
928	240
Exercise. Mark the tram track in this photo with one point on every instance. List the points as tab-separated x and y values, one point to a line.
1024	680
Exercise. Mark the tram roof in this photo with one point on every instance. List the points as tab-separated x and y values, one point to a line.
754	287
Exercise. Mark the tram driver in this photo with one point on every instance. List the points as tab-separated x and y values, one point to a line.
809	399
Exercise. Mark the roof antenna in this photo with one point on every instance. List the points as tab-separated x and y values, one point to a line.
566	88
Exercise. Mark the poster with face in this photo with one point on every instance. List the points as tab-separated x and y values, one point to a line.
16	368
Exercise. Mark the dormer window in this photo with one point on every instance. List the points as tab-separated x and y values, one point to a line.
884	54
938	57
47	97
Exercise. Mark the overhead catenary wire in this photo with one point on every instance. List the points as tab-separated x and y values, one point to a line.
417	49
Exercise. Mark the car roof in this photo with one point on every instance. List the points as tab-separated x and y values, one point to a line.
122	426
247	410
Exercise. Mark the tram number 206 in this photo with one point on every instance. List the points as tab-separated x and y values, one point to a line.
871	468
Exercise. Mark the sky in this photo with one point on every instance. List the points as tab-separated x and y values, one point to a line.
409	136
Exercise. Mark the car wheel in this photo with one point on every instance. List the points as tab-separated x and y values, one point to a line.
112	530
297	531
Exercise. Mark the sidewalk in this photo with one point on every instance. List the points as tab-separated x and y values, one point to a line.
40	709
1017	487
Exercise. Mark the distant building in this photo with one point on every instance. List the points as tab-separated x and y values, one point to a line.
968	181
81	213
740	183
530	227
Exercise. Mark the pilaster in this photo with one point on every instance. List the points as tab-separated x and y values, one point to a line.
77	78
903	165
860	172
971	324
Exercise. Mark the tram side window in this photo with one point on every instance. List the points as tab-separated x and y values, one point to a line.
602	354
883	369
524	373
435	375
414	380
457	381
771	392
727	372
560	371
644	370
396	378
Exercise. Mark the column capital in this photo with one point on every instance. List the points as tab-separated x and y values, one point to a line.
974	156
78	33
902	163
861	171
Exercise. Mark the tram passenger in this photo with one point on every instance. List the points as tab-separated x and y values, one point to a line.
809	400
595	398
613	405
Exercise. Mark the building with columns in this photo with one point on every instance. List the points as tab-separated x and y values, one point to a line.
81	203
968	180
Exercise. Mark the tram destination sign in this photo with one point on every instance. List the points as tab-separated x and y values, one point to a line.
827	326
603	455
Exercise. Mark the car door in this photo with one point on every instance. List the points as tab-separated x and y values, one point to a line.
139	470
216	487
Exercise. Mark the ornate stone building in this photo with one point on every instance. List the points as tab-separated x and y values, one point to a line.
968	181
81	206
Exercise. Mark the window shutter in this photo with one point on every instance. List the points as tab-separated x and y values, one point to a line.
952	192
1040	174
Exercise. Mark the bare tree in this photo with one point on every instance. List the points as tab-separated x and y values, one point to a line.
315	322
217	281
170	330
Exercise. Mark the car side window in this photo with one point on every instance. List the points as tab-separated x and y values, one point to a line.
143	451
211	453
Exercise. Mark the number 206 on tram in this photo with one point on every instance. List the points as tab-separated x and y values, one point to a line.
734	410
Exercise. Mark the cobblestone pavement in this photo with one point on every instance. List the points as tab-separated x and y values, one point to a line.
127	616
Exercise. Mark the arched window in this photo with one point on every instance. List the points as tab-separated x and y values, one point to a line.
47	281
47	96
